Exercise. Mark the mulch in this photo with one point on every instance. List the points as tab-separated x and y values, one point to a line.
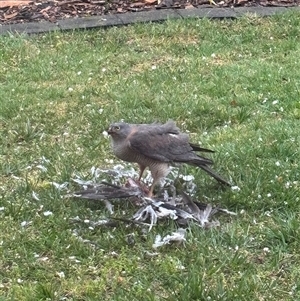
24	11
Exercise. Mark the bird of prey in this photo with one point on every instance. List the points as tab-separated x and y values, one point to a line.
157	146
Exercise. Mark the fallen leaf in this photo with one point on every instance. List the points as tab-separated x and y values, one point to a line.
45	9
189	6
165	3
14	3
98	2
10	16
150	1
120	10
137	4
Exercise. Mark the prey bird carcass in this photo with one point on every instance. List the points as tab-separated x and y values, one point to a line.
178	207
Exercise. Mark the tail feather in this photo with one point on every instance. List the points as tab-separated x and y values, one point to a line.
214	174
198	148
198	161
203	163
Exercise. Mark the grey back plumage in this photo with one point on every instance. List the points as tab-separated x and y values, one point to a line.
149	144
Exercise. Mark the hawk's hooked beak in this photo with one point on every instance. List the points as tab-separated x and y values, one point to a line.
109	131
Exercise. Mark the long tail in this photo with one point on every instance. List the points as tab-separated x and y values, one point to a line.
198	148
203	163
214	174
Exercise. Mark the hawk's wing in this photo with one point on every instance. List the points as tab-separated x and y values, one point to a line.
164	143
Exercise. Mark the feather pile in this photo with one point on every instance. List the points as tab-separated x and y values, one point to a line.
168	205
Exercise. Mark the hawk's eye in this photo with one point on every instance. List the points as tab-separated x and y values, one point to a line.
117	128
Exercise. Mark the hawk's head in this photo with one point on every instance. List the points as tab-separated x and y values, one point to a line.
119	130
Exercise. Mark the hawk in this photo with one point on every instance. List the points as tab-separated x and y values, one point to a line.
157	146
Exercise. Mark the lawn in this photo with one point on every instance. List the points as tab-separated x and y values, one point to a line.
234	85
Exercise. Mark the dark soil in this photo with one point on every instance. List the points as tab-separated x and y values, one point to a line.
21	11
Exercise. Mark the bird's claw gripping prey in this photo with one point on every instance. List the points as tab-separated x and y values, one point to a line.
157	146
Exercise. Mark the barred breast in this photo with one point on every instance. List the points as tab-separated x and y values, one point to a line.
159	170
125	153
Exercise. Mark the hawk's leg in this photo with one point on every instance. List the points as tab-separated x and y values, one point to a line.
150	193
142	168
158	172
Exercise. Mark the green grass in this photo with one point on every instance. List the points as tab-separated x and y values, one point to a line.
234	85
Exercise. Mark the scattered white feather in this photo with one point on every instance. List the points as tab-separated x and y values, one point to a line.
100	222
26	224
59	186
204	215
45	160
47	213
45	258
42	168
35	196
82	182
109	206
177	236
75	219
188	178
60	274
96	172
235	188
145	213
151	254
164	212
